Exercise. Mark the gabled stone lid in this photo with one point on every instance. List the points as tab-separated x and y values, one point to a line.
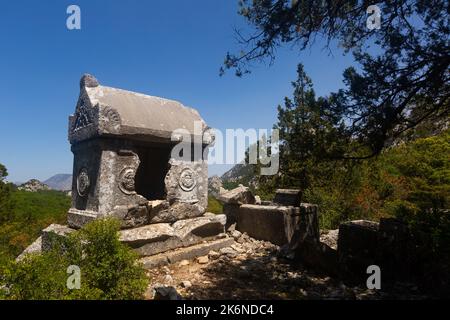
106	111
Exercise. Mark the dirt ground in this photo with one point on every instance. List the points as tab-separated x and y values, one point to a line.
252	269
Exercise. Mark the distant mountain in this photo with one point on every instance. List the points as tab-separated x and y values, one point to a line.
214	185
241	173
60	181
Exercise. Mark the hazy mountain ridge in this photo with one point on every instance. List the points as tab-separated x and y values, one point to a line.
241	173
61	181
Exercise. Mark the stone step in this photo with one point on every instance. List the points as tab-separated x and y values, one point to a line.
187	253
154	238
157	238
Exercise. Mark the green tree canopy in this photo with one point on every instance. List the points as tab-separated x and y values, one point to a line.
6	204
3	172
403	85
310	134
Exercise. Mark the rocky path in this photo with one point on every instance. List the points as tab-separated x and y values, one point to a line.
252	269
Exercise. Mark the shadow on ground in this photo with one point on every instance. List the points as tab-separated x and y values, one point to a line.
264	277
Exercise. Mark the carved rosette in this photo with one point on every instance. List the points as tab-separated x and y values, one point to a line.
110	119
187	180
83	182
126	180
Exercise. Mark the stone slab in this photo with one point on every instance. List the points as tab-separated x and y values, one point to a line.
152	239
54	233
278	224
156	238
77	218
357	248
239	195
396	250
34	248
187	253
114	111
288	197
231	210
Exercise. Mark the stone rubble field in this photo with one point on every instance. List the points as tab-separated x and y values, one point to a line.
252	269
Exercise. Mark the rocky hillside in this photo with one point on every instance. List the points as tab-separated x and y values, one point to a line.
214	185
33	185
240	174
62	182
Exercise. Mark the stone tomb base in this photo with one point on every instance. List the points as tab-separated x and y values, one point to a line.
278	224
160	243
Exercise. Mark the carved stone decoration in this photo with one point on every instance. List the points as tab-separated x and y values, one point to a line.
126	180
83	182
111	119
83	118
187	180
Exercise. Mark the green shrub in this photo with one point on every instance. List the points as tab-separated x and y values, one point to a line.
109	269
214	206
32	212
41	205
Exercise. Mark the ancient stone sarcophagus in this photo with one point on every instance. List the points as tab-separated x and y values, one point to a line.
124	164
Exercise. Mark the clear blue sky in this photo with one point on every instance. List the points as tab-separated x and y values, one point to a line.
172	49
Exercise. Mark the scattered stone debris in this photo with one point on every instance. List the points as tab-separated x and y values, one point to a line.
186	284
168	279
162	292
236	234
184	263
203	259
254	269
213	255
330	238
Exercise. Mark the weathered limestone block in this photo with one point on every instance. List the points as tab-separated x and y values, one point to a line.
54	234
126	113
239	195
231	210
317	255
307	227
132	216
166	212
154	238
187	182
395	254
288	197
185	253
166	293
78	218
150	233
357	248
278	224
151	239
232	199
197	229
157	238
305	244
34	248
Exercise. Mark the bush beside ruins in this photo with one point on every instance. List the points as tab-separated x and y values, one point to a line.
109	269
